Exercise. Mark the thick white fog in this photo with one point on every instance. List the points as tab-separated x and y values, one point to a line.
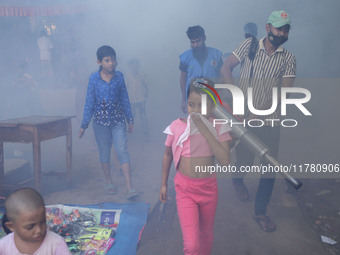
155	33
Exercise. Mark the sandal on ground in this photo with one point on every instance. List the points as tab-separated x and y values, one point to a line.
241	191
265	223
132	194
110	189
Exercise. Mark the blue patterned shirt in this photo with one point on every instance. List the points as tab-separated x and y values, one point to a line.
108	102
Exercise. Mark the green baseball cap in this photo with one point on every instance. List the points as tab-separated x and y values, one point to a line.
279	19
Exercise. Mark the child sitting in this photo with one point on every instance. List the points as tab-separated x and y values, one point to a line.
190	143
25	210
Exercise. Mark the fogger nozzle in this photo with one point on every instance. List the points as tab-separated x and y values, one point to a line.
254	144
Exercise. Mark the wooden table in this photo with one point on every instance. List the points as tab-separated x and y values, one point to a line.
35	129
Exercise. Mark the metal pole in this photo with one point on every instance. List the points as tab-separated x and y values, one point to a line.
254	144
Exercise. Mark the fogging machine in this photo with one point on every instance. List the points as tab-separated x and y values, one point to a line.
254	144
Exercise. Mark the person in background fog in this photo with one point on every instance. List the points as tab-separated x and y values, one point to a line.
271	66
200	61
46	54
19	95
138	92
250	29
27	98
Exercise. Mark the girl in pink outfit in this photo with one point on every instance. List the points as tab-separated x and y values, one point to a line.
194	144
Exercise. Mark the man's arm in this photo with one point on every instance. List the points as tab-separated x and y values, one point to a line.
227	69
287	82
183	81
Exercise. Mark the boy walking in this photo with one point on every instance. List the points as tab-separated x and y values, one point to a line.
107	99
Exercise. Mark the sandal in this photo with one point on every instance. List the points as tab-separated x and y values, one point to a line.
132	194
110	189
265	223
241	191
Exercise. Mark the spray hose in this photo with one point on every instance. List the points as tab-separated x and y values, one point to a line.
248	139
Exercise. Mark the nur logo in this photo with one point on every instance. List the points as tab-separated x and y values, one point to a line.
204	97
238	99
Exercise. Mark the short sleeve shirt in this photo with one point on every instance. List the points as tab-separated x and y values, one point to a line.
210	68
268	71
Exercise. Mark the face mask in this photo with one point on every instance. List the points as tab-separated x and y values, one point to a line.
276	40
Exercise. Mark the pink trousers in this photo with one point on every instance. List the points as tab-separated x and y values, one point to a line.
196	205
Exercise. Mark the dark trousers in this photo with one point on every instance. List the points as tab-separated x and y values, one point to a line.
270	136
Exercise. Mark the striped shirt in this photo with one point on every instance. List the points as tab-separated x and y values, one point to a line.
268	71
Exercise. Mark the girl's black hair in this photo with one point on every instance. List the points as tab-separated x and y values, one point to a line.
197	85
